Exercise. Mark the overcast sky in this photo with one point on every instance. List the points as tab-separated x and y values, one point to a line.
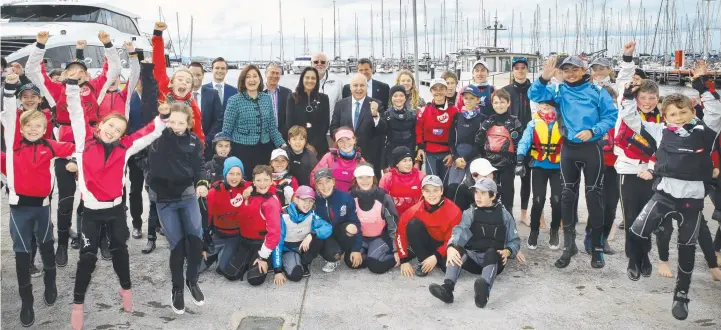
223	27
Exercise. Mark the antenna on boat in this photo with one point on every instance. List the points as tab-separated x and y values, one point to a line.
495	28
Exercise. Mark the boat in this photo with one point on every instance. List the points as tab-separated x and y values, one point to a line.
338	66
67	22
300	63
386	66
499	61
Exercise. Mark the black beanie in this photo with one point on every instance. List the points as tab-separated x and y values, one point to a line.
397	88
399	153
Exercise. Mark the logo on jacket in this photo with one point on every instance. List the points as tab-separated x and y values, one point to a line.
343	210
86	241
237	200
443	118
84	91
483	101
414	188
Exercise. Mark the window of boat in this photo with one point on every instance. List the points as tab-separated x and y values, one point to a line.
94	57
50	13
57	57
121	22
506	64
491	64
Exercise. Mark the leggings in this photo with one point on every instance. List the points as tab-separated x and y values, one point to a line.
294	260
488	261
663	241
135	196
377	255
434	164
583	157
661	207
526	185
181	224
242	262
66	200
115	220
635	194
542	178
422	245
505	178
338	243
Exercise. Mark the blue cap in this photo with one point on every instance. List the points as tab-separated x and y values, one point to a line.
29	87
230	163
473	90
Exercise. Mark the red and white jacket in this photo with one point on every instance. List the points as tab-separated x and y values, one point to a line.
226	207
29	165
100	178
433	127
92	93
262	220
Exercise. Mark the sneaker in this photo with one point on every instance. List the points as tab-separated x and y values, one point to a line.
137	234
75	243
419	271
196	296
443	292
533	240
306	270
27	315
61	256
553	242
330	266
482	291
177	302
149	247
76	317
127	296
51	291
597	258
34	271
105	249
565	258
679	308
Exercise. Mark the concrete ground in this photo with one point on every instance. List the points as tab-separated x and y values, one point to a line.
531	296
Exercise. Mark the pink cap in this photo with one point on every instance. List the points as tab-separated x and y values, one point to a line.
345	133
305	192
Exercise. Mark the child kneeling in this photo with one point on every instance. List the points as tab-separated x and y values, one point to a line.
486	236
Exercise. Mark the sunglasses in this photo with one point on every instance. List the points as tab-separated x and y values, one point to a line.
319	62
519	59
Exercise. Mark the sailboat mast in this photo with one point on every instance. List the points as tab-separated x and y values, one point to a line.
321	34
191	37
373	53
400	27
425	24
261	42
383	33
180	46
334	35
280	20
339	39
357	48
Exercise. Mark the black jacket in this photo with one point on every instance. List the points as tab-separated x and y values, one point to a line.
380	92
301	165
400	128
520	103
214	168
314	115
506	157
176	164
462	136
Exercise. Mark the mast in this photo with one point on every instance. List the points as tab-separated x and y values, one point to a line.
180	46
191	37
261	43
357	48
513	19
250	48
321	34
383	33
400	28
390	35
708	19
334	35
457	39
415	41
373	53
495	28
339	40
425	24
280	20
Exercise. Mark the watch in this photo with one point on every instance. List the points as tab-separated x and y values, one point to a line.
595	131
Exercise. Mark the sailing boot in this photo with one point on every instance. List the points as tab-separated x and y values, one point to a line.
25	288
569	248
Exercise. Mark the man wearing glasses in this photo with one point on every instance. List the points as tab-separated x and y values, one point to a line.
330	86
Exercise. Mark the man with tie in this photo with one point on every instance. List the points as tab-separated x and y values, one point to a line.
376	89
225	91
278	94
210	107
358	112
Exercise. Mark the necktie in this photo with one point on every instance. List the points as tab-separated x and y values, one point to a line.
356	115
219	88
195	96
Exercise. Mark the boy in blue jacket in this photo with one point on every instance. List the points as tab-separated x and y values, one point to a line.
339	209
302	233
585	113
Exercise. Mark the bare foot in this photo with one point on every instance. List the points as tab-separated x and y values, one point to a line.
524	218
718	258
543	222
716	274
663	270
612	234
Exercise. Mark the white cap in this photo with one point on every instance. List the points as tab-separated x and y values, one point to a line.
432	180
482	166
277	153
485	65
439	81
363	170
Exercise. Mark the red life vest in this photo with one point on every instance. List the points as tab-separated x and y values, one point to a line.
405	189
226	207
343	170
371	221
634	145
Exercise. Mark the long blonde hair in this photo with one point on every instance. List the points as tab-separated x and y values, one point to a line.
415	96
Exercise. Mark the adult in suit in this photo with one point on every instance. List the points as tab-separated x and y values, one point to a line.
356	112
211	109
279	95
225	91
309	108
375	89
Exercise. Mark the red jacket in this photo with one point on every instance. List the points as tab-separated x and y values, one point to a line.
609	158
114	102
29	165
262	221
405	189
226	207
636	146
101	178
433	127
161	76
439	225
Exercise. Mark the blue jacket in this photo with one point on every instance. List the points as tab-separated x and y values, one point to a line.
252	121
338	208
135	122
527	141
319	227
582	106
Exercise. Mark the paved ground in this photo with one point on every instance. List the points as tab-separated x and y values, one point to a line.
532	296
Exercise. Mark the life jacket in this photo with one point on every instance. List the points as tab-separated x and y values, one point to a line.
435	127
634	145
253	224
405	189
400	127
113	102
343	170
546	141
498	139
296	231
488	229
684	158
228	208
371	221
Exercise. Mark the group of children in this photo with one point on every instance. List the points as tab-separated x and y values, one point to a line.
457	214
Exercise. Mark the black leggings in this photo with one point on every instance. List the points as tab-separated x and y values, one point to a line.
339	243
422	244
242	262
611	195
66	200
635	193
526	185
542	178
663	241
584	157
135	196
505	178
115	220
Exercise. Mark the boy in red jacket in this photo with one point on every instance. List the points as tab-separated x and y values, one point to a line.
30	183
426	229
432	131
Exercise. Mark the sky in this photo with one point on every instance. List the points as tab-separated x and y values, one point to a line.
224	27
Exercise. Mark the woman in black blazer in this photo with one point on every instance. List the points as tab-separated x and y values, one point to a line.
310	109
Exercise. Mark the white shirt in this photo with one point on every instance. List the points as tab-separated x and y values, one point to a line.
360	107
370	87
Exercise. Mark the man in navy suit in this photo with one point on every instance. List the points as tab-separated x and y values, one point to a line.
376	89
211	108
225	91
279	95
